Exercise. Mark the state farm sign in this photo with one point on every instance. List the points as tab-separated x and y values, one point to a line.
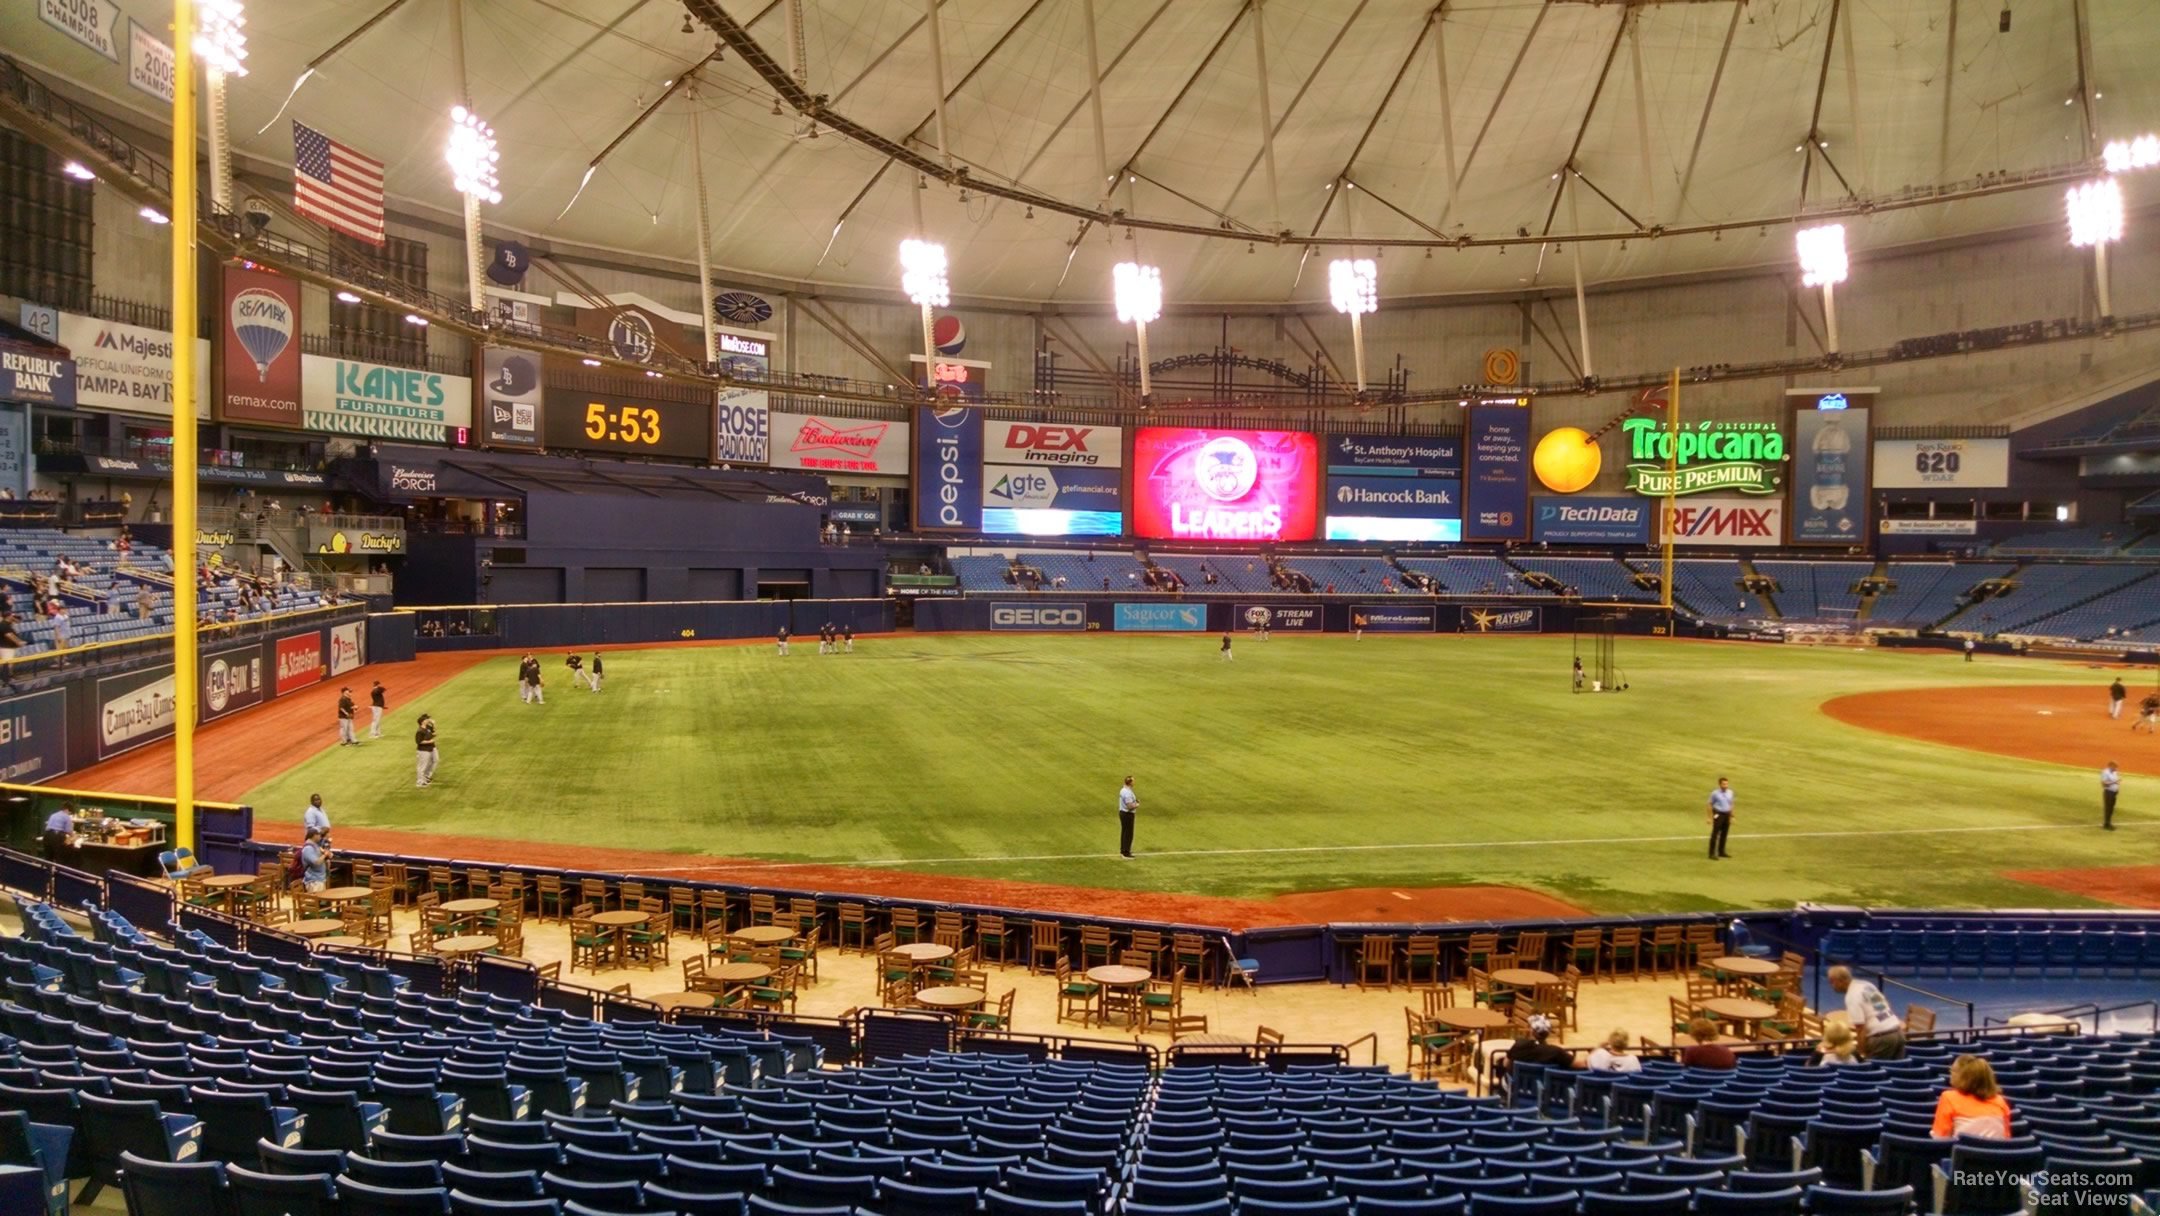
299	661
1728	521
1098	447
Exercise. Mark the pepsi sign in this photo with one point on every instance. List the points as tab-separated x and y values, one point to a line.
948	470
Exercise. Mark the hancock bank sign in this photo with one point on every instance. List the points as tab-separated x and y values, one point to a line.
1712	457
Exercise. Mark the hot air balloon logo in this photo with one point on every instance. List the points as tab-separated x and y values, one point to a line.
263	322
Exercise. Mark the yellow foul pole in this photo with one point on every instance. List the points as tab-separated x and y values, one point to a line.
185	444
1672	482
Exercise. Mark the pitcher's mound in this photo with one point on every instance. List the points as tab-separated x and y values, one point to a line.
1357	904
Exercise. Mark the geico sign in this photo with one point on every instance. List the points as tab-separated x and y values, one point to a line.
1057	444
1037	616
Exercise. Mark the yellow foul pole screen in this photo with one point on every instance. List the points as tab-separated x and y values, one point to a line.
1672	482
185	444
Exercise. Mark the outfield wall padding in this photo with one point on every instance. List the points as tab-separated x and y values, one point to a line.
560	626
1218	613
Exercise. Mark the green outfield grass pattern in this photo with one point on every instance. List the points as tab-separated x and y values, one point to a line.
1308	763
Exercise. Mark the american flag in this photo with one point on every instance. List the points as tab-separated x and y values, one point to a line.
337	185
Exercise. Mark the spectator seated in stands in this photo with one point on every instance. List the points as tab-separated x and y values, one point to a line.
1706	1051
1537	1049
1973	1106
1839	1045
1612	1055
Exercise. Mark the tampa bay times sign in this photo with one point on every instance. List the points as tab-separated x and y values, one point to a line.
1711	456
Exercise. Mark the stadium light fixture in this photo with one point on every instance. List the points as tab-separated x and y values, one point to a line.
473	157
2126	155
1138	291
1354	288
2096	219
346	297
1823	264
76	170
220	41
923	278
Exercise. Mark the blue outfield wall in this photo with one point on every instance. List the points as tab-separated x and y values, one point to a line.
555	626
1066	612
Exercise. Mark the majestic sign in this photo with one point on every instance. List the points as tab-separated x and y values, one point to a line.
1043	443
259	350
349	397
1038	618
299	661
1737	457
1727	522
33	737
1193	484
36	374
129	368
948	470
1496	481
511	395
1942	464
1591	521
133	709
1161	618
1830	476
839	445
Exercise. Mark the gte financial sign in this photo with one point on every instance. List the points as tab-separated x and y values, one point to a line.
1723	457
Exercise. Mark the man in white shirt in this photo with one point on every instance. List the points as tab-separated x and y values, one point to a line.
2110	786
1128	806
1882	1033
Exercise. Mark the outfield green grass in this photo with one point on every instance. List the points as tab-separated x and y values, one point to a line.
1308	763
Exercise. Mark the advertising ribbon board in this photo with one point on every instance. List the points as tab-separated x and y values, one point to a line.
349	397
232	680
1161	618
948	470
1495	618
1592	521
1038	618
1930	527
299	661
1393	618
1291	618
348	647
133	709
259	348
1496	475
33	737
1830	477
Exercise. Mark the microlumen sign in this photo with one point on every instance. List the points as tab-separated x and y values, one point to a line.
1720	457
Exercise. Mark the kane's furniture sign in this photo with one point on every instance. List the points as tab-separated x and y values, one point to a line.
33	737
1496	479
299	661
1194	484
137	708
1942	464
348	397
839	445
1732	457
259	353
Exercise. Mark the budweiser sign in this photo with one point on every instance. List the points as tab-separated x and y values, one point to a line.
848	445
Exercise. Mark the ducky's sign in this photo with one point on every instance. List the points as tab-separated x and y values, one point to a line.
355	541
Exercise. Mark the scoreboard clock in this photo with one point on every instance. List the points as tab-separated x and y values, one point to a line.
630	426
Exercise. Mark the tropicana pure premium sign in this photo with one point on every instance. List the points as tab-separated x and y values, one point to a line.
1710	456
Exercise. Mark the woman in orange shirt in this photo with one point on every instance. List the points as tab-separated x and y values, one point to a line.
1973	1105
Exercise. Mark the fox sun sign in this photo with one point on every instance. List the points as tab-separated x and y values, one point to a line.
1728	457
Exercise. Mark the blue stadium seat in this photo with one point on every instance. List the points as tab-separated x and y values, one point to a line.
256	1194
462	1204
159	1188
1782	1202
1837	1201
356	1198
1608	1203
115	1126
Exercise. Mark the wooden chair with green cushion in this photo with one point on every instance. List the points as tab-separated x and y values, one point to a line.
947	928
802	953
694	978
803	916
1478	951
896	980
763	909
1095	946
1529	949
992	939
853	928
1421	951
1077	995
1045	938
590	944
1484	992
1376	954
442	882
1785	1023
1666	950
907	926
548	896
1188	952
593	891
1160	1002
1150	943
683	911
477	881
770	999
993	1019
712	911
1699	943
948	970
1680	1012
646	943
1570	992
1586	948
1427	1040
1625	947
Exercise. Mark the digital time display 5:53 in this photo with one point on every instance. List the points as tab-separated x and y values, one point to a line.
603	422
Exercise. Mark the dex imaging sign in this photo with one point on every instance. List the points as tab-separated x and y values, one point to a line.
1038	618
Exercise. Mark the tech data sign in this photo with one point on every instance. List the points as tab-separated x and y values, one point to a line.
1713	457
1728	522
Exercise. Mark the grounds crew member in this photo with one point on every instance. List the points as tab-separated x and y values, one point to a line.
345	719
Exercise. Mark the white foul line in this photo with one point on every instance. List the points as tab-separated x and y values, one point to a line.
741	863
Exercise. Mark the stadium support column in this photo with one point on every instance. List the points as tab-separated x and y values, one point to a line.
475	254
704	232
185	441
1672	483
1582	304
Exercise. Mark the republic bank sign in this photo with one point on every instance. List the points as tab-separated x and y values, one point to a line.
1712	457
